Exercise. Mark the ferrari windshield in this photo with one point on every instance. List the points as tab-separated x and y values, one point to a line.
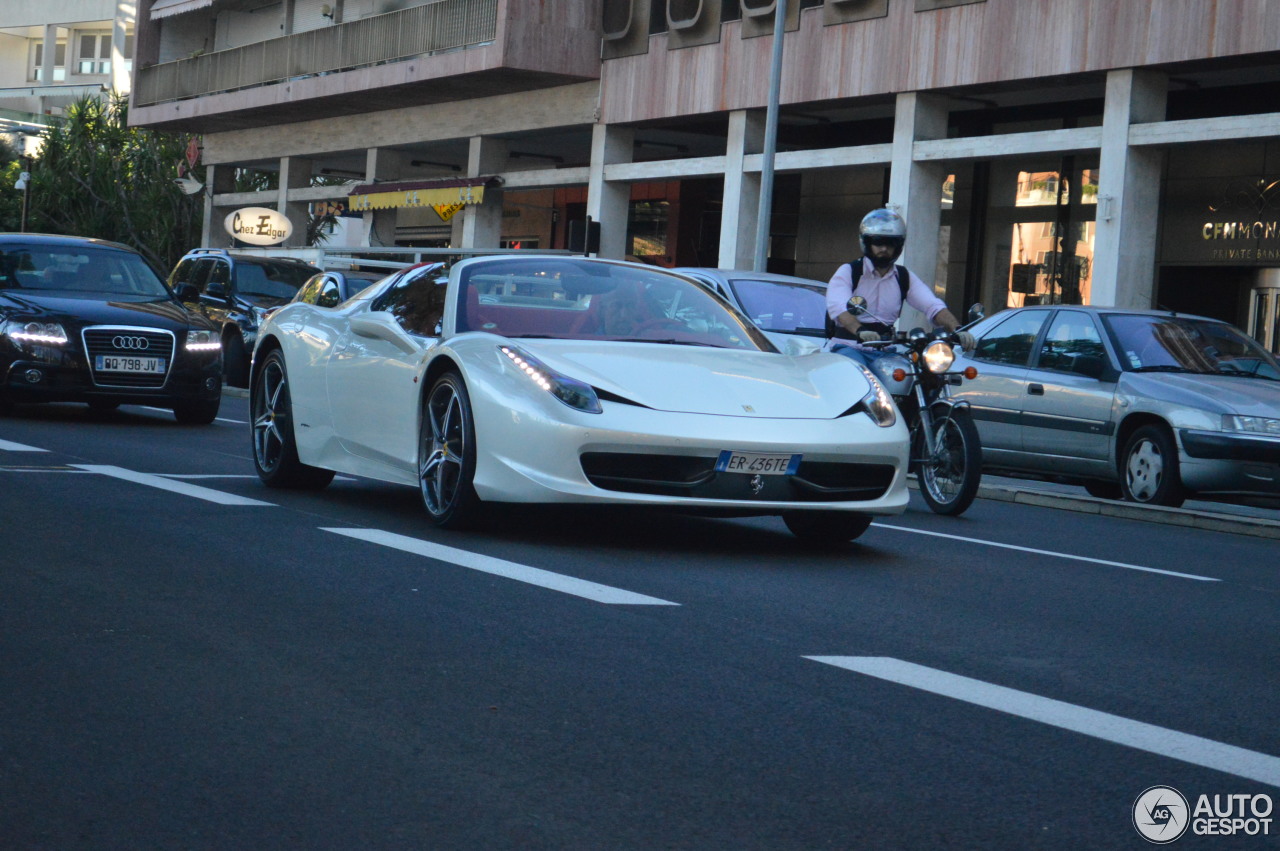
88	269
581	299
1152	343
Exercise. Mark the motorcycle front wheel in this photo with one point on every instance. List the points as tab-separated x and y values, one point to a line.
949	478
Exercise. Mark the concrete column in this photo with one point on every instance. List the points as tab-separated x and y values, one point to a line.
1124	251
915	189
120	76
219	180
609	202
295	173
482	223
741	208
379	226
46	60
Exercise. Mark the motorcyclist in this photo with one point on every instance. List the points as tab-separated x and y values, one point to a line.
885	286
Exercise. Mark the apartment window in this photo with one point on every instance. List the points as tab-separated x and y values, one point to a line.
93	53
36	70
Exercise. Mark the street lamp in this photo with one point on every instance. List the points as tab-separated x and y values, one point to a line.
770	139
24	186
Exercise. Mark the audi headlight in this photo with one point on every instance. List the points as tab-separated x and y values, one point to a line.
1269	426
574	393
878	403
36	333
203	341
938	356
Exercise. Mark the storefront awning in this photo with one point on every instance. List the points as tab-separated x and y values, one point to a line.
420	193
165	8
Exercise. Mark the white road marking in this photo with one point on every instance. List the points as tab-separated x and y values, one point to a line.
1049	553
168	485
6	446
1161	741
170	411
509	569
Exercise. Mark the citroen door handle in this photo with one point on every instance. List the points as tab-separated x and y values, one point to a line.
1035	389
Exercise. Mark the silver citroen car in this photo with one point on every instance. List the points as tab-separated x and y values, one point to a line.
1147	405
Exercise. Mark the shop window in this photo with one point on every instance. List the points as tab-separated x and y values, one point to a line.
647	231
36	70
1047	270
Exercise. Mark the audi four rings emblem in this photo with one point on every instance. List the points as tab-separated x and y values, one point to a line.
137	343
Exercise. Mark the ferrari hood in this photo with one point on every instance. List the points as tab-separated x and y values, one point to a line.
699	380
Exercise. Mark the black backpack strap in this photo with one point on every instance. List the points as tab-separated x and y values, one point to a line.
904	282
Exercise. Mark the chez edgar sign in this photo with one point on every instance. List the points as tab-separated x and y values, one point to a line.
258	226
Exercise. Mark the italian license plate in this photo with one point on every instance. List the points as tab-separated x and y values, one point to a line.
121	363
757	463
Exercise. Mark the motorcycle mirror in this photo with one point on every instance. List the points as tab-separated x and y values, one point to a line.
857	305
977	311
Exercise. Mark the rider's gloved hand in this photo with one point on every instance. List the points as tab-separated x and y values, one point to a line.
869	336
966	340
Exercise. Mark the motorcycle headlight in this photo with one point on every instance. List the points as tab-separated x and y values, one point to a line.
574	393
35	333
938	356
1251	425
878	403
203	341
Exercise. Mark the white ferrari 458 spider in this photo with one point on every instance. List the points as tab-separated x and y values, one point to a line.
519	379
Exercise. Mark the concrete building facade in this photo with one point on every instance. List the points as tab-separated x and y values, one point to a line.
1040	150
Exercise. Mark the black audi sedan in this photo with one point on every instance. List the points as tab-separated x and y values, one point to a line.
86	320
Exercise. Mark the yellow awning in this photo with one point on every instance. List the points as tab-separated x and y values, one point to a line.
416	197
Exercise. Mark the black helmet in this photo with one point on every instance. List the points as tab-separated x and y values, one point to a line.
882	225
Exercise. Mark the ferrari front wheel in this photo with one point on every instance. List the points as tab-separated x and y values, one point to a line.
275	454
447	454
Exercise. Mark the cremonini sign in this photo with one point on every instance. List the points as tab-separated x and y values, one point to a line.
259	226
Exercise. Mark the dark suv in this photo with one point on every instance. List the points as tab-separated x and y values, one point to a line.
237	291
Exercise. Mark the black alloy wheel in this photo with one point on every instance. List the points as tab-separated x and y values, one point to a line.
275	454
447	454
826	528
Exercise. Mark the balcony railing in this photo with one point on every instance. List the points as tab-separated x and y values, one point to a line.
442	25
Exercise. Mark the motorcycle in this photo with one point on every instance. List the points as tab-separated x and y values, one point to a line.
946	455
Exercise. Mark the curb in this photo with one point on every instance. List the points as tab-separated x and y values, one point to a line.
1209	521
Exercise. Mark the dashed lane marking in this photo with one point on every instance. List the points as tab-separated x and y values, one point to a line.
169	485
1049	553
508	569
1161	741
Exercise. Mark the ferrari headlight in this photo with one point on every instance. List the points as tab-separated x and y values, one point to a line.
878	403
574	393
1253	425
203	341
36	333
938	356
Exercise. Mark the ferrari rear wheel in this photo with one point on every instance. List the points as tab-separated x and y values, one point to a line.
275	454
826	528
447	454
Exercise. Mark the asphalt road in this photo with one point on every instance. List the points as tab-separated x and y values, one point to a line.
194	661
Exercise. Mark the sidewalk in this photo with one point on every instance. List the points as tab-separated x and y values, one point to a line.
1199	514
